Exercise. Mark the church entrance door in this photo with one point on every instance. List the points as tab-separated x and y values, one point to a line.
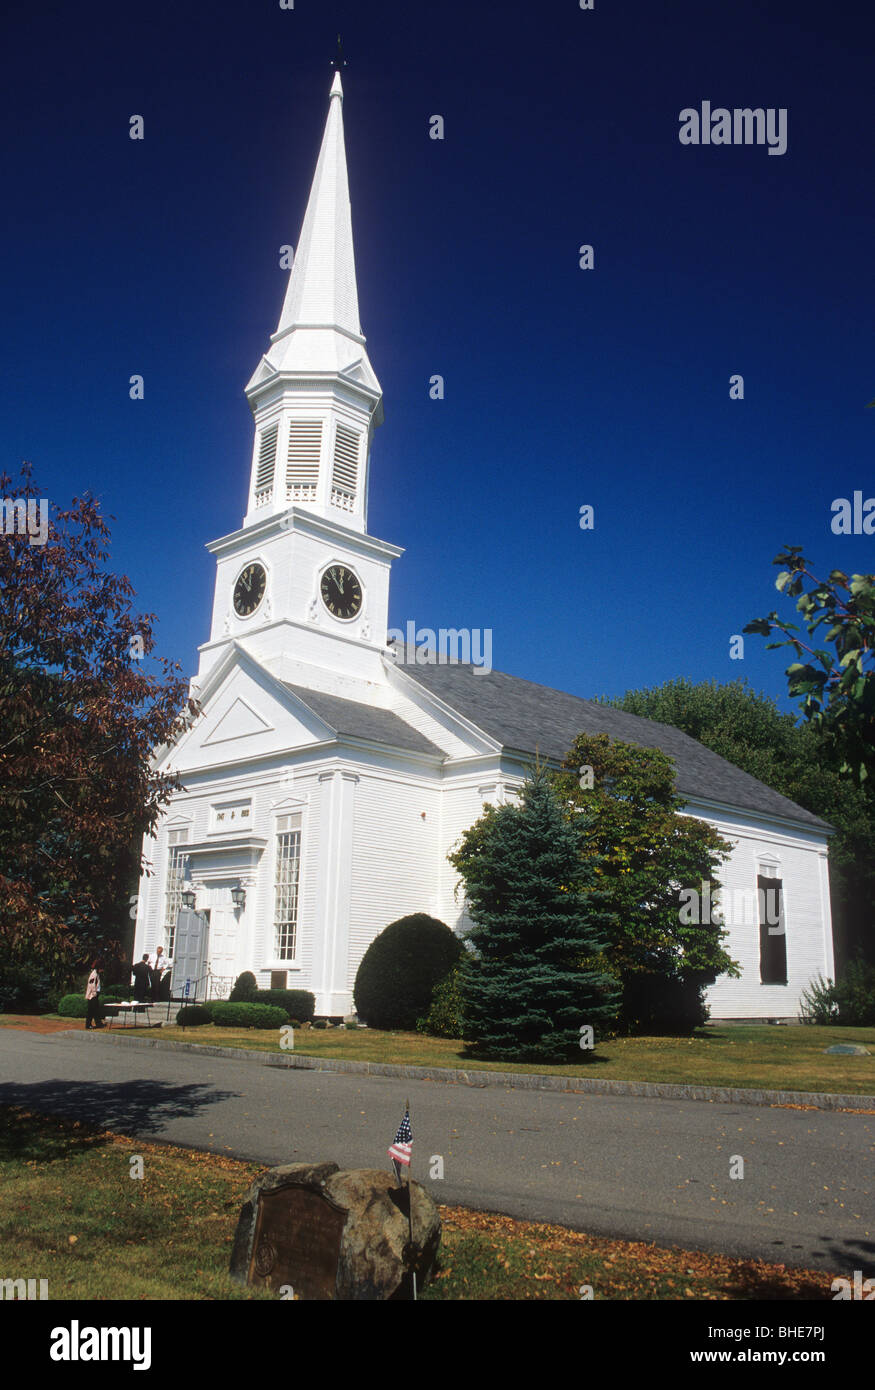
191	941
223	939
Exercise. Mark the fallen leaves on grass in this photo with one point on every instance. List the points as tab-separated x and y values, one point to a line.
628	1269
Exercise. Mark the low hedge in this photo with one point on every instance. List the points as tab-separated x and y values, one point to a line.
297	1003
76	1005
228	1015
194	1016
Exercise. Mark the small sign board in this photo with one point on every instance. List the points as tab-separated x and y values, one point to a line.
297	1242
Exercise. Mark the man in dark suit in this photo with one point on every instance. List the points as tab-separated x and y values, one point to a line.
142	980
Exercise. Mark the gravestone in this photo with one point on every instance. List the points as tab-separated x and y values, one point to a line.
331	1234
847	1050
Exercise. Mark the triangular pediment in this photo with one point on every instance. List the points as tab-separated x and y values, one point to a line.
241	720
245	713
263	372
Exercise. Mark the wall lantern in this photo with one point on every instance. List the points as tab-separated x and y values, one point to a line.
238	896
187	898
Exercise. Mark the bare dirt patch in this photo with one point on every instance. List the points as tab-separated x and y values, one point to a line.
34	1023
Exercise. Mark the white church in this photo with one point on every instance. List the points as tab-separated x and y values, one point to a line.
326	779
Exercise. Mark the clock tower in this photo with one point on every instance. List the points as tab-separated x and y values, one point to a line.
301	584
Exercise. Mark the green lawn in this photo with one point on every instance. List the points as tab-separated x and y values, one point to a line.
775	1058
71	1213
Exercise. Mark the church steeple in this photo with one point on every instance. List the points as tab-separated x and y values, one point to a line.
314	395
322	285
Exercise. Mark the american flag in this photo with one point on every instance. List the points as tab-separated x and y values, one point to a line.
399	1150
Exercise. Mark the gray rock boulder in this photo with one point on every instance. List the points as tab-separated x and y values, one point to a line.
339	1234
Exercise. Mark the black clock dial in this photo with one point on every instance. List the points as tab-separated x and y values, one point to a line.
249	590
341	592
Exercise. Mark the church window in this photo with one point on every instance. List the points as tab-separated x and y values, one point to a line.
176	865
288	864
266	464
773	937
344	477
302	461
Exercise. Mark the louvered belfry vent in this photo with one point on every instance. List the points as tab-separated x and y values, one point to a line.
302	463
264	469
344	476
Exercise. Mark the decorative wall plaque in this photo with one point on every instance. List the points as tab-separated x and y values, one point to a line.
297	1242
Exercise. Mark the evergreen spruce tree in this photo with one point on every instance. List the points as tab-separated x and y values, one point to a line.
534	978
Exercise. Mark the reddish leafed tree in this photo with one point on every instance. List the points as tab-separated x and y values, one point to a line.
83	706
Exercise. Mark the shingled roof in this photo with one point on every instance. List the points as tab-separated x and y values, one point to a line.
357	720
525	717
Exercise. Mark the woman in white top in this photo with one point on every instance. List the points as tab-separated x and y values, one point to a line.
92	998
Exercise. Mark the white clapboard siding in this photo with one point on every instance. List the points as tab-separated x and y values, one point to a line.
394	860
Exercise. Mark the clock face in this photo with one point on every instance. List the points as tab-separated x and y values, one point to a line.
249	590
341	592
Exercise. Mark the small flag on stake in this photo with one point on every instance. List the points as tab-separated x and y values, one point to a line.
399	1149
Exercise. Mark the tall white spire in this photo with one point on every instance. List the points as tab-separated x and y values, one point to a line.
315	396
322	287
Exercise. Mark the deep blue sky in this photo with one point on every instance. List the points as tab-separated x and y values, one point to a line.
564	387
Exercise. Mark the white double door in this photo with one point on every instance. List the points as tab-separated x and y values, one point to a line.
224	941
207	940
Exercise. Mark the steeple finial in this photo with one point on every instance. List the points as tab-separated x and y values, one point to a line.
338	61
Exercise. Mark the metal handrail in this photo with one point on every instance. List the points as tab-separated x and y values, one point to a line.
192	997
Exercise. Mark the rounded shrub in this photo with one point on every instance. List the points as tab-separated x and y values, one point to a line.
243	1015
298	1003
245	987
73	1006
400	969
321	1023
194	1016
76	1005
662	1004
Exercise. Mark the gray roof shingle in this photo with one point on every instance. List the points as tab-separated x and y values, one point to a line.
523	716
359	720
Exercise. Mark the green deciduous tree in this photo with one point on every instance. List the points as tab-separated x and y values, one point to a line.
837	687
644	852
750	731
539	922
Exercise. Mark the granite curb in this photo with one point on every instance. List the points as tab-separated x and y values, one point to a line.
525	1081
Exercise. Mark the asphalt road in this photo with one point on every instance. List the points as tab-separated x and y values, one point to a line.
631	1167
